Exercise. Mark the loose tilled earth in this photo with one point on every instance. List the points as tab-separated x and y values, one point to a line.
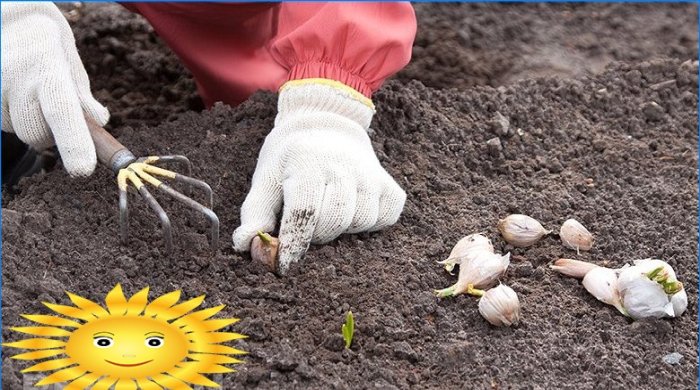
556	111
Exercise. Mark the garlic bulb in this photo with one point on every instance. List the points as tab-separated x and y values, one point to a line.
575	236
570	267
264	249
650	289
520	230
601	282
500	306
479	269
472	242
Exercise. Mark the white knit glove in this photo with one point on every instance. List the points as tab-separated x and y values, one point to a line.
319	162
44	85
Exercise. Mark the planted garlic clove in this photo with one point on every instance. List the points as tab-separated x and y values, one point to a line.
479	269
520	230
500	306
601	282
575	236
471	243
570	267
264	249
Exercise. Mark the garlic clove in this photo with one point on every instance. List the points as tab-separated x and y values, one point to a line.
575	236
480	269
679	301
601	282
264	249
489	268
472	242
500	306
570	267
648	265
521	230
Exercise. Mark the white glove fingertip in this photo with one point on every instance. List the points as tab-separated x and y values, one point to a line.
80	163
391	205
302	203
95	110
243	236
258	212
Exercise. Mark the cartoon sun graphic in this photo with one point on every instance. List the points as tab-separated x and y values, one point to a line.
129	344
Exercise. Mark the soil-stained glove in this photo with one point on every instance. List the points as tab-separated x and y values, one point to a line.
45	88
318	161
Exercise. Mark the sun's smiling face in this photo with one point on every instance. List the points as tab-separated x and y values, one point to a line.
129	343
127	346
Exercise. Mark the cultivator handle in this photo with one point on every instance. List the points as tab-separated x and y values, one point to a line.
109	151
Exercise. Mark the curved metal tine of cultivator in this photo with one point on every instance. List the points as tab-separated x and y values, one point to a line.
122	182
187	178
177	158
131	175
144	171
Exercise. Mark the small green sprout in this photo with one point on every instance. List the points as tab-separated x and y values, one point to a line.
348	329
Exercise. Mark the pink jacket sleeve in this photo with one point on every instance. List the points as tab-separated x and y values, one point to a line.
235	49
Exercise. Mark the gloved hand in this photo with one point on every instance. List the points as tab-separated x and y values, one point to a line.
319	162
45	88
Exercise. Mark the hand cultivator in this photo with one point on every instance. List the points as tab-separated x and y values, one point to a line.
141	172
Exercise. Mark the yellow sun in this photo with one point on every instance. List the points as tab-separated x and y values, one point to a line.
129	344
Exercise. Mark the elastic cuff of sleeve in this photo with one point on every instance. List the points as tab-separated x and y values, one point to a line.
344	89
323	95
325	70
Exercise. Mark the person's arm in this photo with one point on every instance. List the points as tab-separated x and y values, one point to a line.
317	165
45	89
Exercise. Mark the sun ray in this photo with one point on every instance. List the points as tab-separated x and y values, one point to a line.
88	305
201	315
34	355
181	309
219	337
116	301
82	382
64	375
137	303
70	311
170	382
215	348
146	384
206	368
125	384
104	383
47	331
189	375
50	365
213	359
213	325
51	320
162	304
36	343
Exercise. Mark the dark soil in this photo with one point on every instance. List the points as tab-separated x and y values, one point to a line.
462	45
615	150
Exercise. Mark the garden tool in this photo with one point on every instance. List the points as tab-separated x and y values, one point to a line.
140	172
